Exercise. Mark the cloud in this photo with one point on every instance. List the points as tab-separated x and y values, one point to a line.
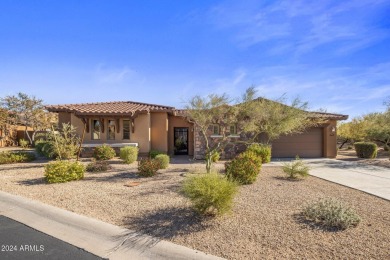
299	27
107	76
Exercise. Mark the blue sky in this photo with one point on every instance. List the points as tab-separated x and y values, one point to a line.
333	54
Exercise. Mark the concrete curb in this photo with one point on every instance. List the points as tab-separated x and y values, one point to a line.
100	238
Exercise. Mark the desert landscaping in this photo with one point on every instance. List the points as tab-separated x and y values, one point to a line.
265	221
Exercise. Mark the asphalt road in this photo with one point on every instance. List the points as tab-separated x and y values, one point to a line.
20	242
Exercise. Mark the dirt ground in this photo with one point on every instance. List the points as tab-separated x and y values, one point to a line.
265	221
382	159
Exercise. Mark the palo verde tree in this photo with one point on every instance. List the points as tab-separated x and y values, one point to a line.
379	127
205	112
266	120
353	131
27	111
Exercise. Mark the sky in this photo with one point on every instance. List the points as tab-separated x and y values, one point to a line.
333	54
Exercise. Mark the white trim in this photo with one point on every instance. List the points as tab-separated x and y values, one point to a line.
216	136
234	136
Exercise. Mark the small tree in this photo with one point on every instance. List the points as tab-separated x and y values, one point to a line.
64	142
379	127
207	111
271	119
28	111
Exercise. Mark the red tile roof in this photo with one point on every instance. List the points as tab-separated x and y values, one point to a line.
109	108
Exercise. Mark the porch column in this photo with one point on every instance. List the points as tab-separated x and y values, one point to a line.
149	119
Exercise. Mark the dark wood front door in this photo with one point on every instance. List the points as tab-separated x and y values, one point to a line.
181	140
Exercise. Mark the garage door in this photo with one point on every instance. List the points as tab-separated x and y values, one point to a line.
306	145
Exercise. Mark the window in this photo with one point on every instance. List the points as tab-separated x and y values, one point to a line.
126	129
111	130
233	130
215	129
96	130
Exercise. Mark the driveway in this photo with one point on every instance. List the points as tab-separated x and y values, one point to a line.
374	180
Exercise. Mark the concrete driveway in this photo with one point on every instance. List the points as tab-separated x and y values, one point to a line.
374	180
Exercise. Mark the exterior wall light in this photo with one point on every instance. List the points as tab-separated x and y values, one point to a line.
333	131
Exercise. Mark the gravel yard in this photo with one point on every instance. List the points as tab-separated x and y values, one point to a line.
264	223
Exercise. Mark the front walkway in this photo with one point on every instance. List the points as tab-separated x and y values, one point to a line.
374	180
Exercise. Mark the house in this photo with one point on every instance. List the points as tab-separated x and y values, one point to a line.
164	128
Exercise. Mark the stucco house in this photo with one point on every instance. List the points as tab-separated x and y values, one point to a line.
164	128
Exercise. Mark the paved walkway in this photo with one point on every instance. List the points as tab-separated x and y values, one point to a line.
374	180
94	236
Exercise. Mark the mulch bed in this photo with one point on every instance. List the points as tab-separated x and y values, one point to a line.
265	221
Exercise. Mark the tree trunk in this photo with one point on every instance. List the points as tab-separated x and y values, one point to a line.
81	140
28	136
342	144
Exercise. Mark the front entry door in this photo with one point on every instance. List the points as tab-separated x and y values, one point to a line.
181	140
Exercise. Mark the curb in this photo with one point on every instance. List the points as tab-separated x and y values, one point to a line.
95	236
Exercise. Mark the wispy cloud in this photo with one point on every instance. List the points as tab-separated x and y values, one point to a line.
106	75
299	27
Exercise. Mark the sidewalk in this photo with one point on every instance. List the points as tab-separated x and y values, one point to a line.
97	237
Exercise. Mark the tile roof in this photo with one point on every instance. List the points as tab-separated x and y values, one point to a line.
108	108
329	115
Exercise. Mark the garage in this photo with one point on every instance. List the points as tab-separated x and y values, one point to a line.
306	145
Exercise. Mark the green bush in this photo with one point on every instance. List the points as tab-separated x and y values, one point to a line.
24	143
98	166
129	154
16	157
148	167
45	148
210	194
163	160
261	150
154	153
63	171
103	152
215	155
366	150
331	213
296	169
244	168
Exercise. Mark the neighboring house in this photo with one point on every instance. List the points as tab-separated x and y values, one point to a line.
164	128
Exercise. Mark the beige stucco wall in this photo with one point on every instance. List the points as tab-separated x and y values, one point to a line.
141	133
159	131
330	140
178	121
63	117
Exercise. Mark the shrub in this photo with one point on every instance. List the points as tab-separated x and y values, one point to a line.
296	169
64	143
154	153
148	167
366	150
24	143
261	150
210	194
244	168
129	154
63	171
331	213
386	148
215	155
45	148
98	166
103	152
163	159
16	157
